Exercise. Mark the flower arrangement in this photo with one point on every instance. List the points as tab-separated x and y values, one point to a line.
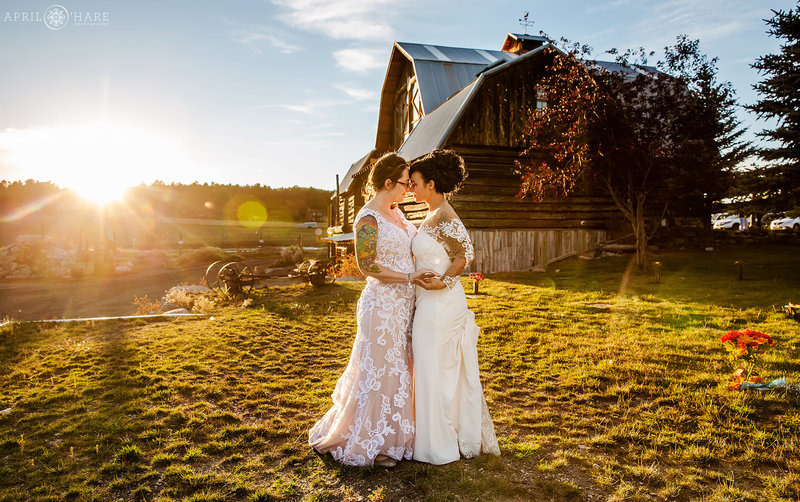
476	277
743	348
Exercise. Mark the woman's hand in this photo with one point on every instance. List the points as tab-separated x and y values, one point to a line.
421	274
430	283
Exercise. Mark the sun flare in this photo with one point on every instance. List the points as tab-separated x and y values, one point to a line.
98	160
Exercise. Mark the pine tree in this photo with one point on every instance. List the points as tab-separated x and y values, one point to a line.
776	185
711	134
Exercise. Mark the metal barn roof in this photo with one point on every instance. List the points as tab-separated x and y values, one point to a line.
433	129
443	71
355	167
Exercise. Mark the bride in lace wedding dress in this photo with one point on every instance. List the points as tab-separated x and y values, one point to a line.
372	418
452	418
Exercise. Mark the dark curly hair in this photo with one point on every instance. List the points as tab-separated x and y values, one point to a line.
389	167
444	167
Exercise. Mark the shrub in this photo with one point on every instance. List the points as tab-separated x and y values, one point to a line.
198	303
145	305
346	266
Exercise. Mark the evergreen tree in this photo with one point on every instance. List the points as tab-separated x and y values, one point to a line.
710	132
776	185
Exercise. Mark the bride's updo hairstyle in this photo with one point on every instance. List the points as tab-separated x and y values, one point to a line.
444	167
389	167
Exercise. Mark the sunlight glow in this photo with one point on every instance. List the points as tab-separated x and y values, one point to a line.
98	160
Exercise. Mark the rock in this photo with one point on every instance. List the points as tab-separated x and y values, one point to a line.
166	307
6	411
189	289
21	272
177	312
124	269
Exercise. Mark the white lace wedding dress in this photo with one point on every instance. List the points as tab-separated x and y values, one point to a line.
372	411
452	418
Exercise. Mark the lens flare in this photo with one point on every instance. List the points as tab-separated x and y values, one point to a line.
251	214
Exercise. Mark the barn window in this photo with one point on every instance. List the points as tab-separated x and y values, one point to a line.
541	99
407	107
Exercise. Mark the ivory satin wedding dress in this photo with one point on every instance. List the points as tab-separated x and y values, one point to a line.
451	415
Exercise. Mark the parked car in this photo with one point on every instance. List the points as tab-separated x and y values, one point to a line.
786	223
731	222
769	218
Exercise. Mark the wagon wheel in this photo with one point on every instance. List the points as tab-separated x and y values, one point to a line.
247	279
212	274
228	278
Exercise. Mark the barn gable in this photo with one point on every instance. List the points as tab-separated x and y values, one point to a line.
419	79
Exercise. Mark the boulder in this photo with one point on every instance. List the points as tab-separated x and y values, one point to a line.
21	272
166	307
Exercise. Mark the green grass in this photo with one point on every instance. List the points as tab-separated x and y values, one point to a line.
602	385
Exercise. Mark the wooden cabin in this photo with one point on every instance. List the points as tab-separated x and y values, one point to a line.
475	102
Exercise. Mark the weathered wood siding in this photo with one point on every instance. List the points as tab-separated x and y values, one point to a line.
488	199
497	113
512	250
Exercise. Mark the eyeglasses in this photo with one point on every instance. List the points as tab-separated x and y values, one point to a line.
404	183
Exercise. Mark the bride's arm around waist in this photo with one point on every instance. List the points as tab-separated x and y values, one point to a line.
366	251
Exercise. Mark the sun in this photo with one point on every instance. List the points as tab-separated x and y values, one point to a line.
97	160
100	191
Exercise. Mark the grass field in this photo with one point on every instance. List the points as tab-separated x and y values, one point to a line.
603	385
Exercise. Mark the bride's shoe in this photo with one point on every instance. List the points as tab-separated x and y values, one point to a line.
385	462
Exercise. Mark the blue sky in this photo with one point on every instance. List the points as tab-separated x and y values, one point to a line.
281	92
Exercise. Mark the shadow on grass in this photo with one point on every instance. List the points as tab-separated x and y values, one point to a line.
301	301
79	407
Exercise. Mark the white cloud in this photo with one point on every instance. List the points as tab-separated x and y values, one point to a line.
361	60
256	38
342	19
308	107
709	21
356	93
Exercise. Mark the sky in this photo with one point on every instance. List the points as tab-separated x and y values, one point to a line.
99	95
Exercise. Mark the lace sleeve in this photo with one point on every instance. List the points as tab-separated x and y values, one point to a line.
456	238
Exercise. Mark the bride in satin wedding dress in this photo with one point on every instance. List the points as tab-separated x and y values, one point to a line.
452	419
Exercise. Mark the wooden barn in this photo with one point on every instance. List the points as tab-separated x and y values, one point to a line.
474	101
